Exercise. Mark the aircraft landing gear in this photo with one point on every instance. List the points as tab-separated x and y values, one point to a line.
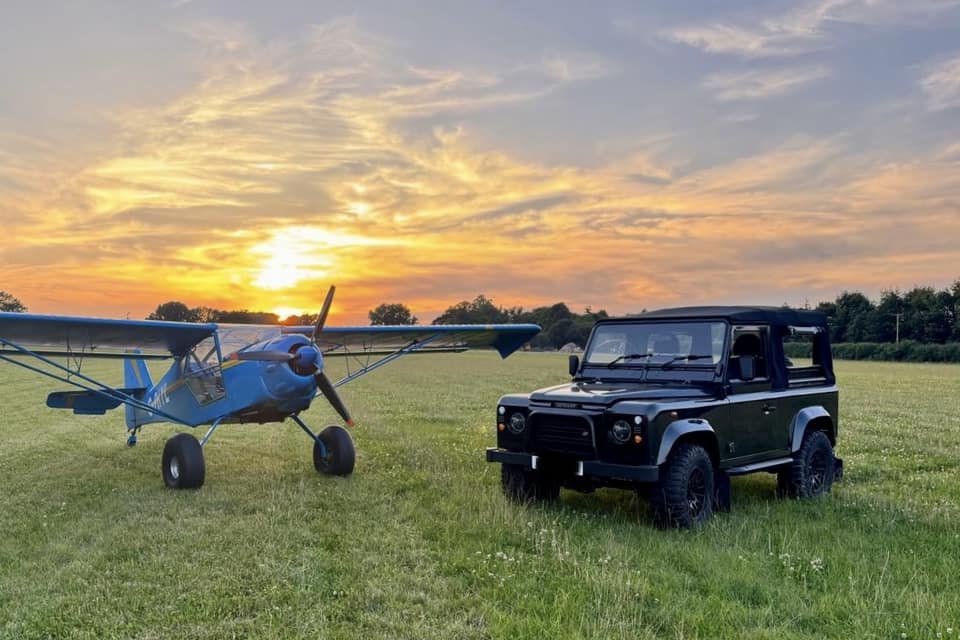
183	466
333	452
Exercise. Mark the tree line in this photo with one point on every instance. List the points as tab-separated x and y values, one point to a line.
561	326
922	315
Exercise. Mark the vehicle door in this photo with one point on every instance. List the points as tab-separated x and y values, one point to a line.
753	410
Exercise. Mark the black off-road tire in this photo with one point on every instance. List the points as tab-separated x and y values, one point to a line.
526	485
684	495
182	465
811	473
340	454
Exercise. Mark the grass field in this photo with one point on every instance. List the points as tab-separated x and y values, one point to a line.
419	542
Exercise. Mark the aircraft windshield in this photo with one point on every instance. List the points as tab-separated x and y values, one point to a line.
236	337
656	343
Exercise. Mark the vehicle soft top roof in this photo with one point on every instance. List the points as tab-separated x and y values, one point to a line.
781	316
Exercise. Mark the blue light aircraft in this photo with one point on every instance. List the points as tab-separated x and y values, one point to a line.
225	373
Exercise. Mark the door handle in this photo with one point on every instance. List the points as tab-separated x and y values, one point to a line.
767	409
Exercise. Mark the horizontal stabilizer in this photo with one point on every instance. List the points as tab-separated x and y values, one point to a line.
86	402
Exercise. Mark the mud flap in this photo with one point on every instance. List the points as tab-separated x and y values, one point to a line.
721	484
837	469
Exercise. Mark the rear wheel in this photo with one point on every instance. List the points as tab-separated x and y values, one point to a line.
183	466
684	495
527	485
812	470
337	456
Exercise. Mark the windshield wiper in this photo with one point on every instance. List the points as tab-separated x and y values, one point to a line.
628	356
666	365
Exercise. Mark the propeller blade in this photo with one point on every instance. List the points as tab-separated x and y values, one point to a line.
322	317
263	356
330	393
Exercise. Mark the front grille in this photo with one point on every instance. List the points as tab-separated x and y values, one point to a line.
572	435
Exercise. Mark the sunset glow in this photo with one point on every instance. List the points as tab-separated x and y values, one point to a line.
623	159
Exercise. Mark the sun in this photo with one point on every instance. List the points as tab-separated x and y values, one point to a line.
290	256
297	253
285	312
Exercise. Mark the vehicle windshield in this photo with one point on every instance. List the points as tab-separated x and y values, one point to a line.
657	344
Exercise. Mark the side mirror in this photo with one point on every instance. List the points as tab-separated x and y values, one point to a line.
746	368
574	365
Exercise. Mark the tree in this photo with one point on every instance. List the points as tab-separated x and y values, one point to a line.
174	311
855	318
9	303
562	332
244	316
955	292
480	311
888	310
925	316
394	313
306	319
206	314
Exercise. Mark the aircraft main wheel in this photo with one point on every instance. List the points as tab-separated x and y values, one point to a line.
183	466
340	455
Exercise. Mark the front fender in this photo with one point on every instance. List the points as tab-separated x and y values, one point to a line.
676	430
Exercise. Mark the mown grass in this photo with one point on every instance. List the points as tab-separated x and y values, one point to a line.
419	543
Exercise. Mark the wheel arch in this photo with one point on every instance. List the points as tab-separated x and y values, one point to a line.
695	431
811	419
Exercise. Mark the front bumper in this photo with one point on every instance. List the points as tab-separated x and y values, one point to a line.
584	468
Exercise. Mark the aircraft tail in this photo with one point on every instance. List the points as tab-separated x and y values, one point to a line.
136	376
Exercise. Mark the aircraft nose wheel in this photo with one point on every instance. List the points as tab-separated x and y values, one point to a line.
334	454
183	466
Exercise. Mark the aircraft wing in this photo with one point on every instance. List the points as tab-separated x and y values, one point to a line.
97	337
387	339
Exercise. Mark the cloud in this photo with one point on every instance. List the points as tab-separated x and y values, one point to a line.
941	83
570	67
745	42
290	165
759	84
805	28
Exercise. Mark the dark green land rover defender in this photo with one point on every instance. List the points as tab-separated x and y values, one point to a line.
675	402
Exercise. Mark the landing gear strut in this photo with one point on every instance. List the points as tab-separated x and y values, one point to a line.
333	452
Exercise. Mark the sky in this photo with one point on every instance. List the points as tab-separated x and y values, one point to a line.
612	155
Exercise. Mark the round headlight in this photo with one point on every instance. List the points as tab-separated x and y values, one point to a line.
621	430
501	410
517	424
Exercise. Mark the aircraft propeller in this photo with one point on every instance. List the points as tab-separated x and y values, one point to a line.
323	382
306	359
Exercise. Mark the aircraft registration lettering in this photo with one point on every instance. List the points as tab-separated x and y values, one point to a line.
160	397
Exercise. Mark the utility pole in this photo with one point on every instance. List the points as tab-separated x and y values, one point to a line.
898	326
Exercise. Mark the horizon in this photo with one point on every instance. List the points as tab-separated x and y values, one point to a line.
613	157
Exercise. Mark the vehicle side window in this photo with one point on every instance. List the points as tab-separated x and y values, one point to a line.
805	369
752	342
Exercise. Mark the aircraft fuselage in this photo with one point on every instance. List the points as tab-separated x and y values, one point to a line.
245	391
